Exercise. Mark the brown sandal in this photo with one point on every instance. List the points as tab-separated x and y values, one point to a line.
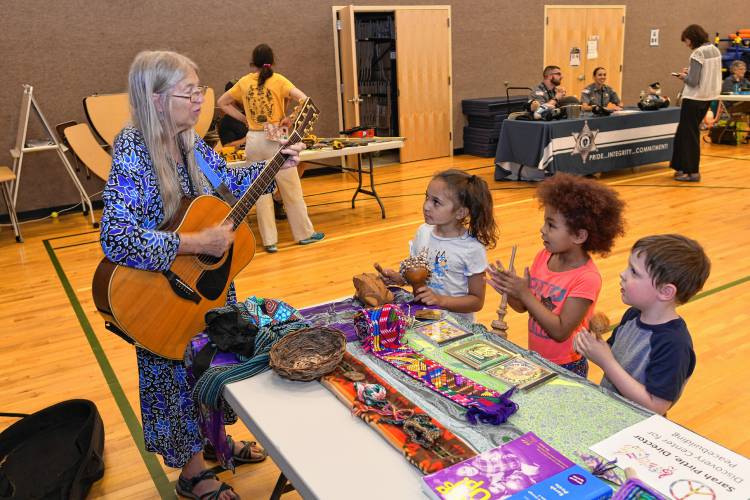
250	453
185	486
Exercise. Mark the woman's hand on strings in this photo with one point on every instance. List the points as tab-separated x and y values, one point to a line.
292	153
213	241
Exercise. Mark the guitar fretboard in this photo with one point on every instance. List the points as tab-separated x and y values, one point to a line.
260	184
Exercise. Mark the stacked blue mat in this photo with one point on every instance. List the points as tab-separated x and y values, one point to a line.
486	116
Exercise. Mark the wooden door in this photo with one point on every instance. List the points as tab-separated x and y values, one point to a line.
423	45
599	35
348	60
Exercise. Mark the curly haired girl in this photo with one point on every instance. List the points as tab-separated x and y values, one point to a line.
581	217
459	227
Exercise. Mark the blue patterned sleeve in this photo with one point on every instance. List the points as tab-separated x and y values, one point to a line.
236	179
133	210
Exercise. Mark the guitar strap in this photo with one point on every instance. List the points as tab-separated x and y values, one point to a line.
224	192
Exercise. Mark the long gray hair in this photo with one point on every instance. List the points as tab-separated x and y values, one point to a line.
155	73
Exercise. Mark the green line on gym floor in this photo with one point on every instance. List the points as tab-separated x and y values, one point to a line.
152	464
720	288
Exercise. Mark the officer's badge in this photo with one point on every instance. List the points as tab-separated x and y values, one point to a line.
585	141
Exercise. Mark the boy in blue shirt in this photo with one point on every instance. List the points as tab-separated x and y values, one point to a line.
650	356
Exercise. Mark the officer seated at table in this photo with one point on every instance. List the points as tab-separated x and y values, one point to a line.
549	91
600	97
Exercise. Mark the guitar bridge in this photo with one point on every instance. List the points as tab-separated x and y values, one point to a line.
181	288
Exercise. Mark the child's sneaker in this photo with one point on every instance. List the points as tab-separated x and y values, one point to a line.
271	248
316	236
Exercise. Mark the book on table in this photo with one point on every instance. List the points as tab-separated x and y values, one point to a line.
499	472
479	354
572	483
441	332
521	372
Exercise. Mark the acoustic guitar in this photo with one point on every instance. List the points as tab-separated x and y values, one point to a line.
162	311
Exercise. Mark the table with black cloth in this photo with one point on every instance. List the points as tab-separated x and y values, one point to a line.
588	145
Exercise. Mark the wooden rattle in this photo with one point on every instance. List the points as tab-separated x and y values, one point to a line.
416	271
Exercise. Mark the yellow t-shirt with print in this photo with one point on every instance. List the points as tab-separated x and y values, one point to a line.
265	104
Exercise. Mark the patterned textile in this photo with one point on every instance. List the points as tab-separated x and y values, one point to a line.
170	419
381	331
340	314
582	414
580	367
447	448
274	319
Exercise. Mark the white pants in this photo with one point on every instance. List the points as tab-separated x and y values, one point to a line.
291	194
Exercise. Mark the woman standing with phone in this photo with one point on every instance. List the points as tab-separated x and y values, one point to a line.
702	84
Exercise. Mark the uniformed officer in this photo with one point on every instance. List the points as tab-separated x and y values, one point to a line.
600	94
549	90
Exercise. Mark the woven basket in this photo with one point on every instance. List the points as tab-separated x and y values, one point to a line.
308	353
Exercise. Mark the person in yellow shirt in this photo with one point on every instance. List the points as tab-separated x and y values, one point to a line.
263	94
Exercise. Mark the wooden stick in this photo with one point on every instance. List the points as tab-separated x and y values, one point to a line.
499	326
504	301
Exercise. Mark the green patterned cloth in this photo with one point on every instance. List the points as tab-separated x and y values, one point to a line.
568	412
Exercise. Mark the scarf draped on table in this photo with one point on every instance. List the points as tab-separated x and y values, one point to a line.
274	319
381	331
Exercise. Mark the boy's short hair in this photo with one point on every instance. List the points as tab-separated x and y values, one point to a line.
585	204
675	259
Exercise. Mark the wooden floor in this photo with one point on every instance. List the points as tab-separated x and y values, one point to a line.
55	347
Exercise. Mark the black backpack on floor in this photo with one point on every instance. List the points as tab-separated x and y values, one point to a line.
55	453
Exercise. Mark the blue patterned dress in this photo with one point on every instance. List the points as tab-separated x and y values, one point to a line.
133	211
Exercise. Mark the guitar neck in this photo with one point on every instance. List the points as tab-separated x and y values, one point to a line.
260	184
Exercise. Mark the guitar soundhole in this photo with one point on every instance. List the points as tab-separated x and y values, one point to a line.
211	283
208	259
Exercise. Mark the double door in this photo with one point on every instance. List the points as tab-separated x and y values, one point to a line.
579	38
397	74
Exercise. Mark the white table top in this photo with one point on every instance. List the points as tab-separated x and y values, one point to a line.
733	97
318	444
329	152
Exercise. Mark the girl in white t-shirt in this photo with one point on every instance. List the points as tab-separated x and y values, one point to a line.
459	227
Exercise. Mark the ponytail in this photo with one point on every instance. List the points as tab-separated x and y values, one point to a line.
263	60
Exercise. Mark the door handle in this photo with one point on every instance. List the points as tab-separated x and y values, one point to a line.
355	99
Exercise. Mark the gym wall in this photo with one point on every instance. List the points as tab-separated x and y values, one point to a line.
68	50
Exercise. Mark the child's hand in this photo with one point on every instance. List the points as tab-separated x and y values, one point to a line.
508	282
495	271
427	296
390	277
596	350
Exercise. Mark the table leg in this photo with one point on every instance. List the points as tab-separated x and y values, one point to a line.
371	191
282	486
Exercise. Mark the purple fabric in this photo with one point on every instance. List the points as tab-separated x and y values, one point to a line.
340	314
212	421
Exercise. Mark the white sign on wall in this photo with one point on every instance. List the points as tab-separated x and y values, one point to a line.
654	40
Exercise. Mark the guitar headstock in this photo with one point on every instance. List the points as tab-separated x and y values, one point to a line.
305	115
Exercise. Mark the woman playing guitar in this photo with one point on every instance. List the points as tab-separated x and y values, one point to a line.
155	163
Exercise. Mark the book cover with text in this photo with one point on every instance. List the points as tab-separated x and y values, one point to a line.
498	473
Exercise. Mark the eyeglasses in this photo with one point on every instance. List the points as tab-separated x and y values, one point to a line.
196	95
